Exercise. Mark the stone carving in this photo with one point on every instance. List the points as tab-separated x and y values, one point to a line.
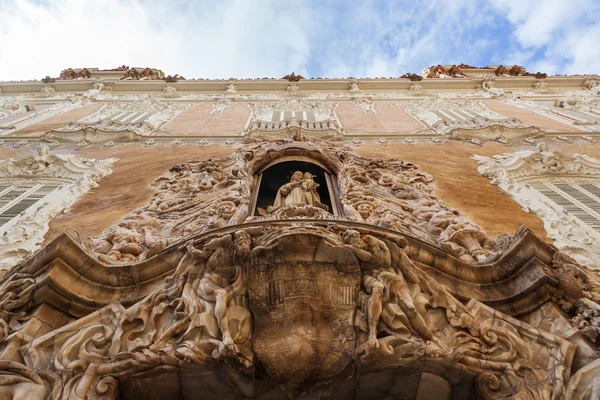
97	89
443	72
301	190
300	302
219	106
516	171
170	91
592	83
353	87
48	91
10	106
89	135
303	303
486	129
23	236
293	77
70	73
231	89
489	86
323	110
100	128
415	88
412	77
366	104
324	130
540	86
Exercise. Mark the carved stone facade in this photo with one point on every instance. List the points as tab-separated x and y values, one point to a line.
319	239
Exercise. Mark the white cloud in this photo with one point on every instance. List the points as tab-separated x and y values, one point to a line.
213	40
269	38
565	33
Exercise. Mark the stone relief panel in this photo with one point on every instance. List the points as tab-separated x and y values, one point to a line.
532	177
52	184
199	196
313	305
297	303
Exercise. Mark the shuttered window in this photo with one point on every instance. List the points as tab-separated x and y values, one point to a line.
298	115
17	198
131	117
455	115
580	200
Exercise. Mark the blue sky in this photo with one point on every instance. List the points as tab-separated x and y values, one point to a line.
263	38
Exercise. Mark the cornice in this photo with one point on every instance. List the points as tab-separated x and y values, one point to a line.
261	85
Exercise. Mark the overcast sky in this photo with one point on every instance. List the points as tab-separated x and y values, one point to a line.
262	38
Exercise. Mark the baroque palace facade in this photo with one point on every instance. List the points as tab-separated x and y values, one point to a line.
422	237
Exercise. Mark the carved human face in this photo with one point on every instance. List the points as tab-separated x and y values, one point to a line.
297	176
365	210
308	175
351	236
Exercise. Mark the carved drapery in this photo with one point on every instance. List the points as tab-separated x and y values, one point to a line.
517	173
74	176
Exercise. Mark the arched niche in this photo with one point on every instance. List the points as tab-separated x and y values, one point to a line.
272	176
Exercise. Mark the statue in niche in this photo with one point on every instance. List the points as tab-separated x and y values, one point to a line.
301	190
291	193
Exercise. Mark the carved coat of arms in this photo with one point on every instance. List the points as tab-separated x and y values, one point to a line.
302	293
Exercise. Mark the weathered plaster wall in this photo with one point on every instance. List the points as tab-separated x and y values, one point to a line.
199	121
388	119
57	121
529	118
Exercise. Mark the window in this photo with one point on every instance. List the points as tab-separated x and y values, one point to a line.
578	199
276	116
455	115
17	198
131	117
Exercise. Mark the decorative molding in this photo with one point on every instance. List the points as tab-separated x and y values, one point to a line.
324	130
22	236
515	172
10	106
48	91
219	106
88	135
485	129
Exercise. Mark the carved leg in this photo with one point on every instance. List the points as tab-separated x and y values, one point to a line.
221	315
405	302
220	296
374	309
